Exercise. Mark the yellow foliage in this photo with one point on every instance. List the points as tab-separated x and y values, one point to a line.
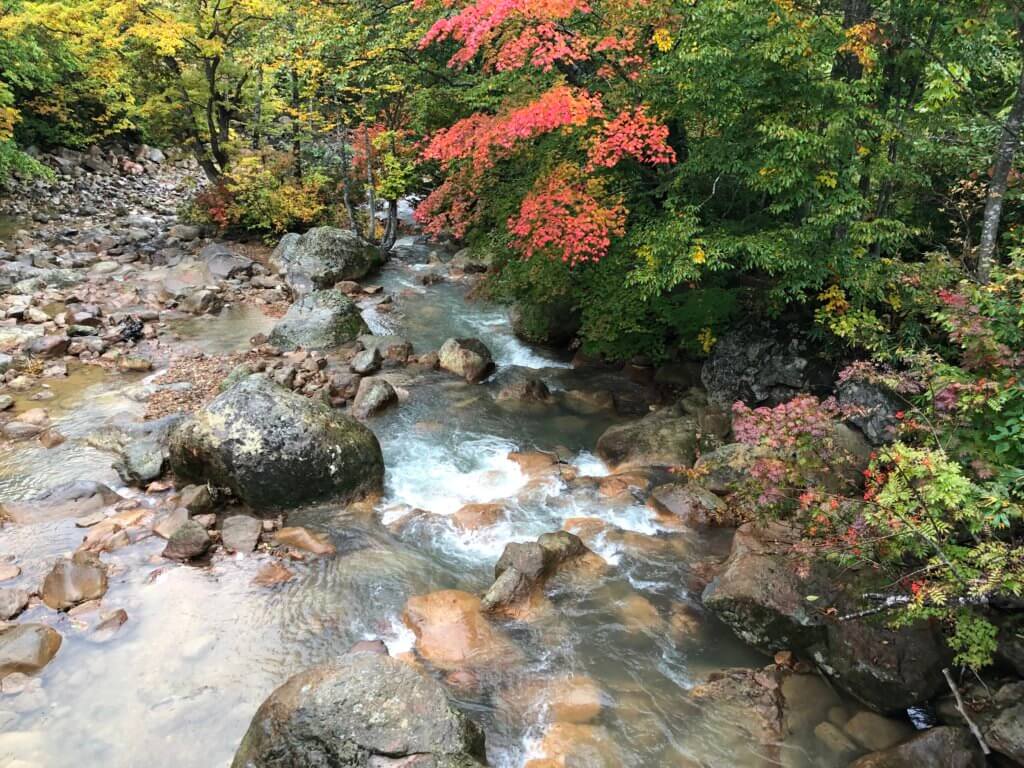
662	39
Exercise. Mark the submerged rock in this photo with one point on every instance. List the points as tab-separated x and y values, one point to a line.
27	648
322	257
74	499
70	582
275	449
365	710
452	632
468	358
319	320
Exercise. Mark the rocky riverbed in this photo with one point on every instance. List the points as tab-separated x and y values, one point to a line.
225	464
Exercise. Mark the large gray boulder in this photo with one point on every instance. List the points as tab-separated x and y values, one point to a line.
322	257
364	710
319	320
276	449
762	369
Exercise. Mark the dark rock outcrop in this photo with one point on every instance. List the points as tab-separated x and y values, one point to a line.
319	320
322	257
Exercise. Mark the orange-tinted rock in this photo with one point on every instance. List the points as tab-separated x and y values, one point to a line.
272	573
566	745
453	633
639	614
627	483
305	540
564	699
534	463
473	517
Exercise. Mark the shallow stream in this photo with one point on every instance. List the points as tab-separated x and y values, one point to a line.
204	645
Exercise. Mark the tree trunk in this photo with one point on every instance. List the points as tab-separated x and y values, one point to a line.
296	137
1002	165
215	128
191	128
387	240
349	208
257	109
371	201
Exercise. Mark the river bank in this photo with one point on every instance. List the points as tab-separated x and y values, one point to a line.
118	316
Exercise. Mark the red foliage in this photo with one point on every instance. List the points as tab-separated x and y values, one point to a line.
632	134
483	139
542	46
563	218
479	22
450	207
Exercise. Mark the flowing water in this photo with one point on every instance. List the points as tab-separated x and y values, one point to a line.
203	646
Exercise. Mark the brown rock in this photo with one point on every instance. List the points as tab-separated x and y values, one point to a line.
473	517
452	632
272	573
69	582
27	648
297	537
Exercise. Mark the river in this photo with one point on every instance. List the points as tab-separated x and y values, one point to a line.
204	645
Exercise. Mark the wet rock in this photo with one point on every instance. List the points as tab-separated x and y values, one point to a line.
184	232
453	633
468	358
303	539
70	582
745	702
473	517
874	732
471	262
47	346
943	747
188	542
170	523
394	348
1005	734
523	569
761	595
12	602
322	257
887	669
836	743
662	438
109	626
365	710
525	390
564	699
275	449
724	469
27	648
692	504
223	264
6	401
272	573
572	744
319	320
200	301
9	571
373	396
758	368
366	362
143	449
240	533
21	430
